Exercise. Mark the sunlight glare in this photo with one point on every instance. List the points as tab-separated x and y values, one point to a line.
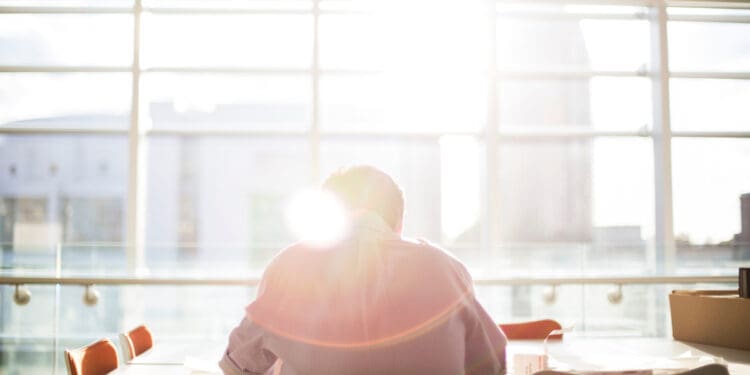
316	217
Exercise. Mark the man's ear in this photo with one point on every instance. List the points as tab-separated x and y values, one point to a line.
399	226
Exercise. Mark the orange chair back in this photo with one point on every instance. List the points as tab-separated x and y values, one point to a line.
99	358
532	330
138	340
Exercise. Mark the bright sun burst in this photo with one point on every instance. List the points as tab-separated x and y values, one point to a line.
316	217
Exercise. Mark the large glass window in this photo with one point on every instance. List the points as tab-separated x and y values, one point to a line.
522	135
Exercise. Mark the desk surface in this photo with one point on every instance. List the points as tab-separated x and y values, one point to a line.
577	353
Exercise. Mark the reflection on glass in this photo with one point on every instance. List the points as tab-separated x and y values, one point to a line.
708	46
558	197
709	104
529	44
392	102
217	203
406	36
65	100
66	39
709	177
258	102
460	191
258	41
602	103
351	41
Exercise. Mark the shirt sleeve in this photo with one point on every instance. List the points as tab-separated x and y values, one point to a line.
485	342
246	353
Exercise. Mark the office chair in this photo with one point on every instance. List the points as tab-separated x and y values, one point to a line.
98	358
531	330
135	342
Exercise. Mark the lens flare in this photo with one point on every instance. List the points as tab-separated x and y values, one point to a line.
316	217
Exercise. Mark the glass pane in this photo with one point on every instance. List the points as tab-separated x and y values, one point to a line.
403	103
220	201
711	214
97	258
259	41
603	103
709	104
65	100
26	332
210	312
642	311
66	39
712	46
442	201
530	44
568	206
351	41
410	37
509	304
53	189
216	101
46	198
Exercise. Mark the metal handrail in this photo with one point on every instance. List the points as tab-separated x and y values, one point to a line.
618	280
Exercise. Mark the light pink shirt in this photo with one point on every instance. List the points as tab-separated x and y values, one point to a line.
372	304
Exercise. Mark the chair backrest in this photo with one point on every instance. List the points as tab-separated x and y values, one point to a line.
99	358
531	330
135	342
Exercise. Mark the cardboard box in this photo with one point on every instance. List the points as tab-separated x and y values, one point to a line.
714	317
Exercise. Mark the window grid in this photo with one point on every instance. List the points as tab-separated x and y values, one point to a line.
661	136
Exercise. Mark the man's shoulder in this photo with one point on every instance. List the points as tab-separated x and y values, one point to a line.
429	249
430	253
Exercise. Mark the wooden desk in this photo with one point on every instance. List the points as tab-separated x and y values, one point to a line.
169	357
590	353
580	353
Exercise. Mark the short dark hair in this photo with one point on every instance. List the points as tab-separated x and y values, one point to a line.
364	187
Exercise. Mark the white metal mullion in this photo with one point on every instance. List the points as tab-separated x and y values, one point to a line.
542	16
710	18
190	281
571	74
65	10
710	134
488	235
222	11
315	120
501	73
725	4
663	230
222	70
136	157
32	130
563	134
63	69
711	75
580	2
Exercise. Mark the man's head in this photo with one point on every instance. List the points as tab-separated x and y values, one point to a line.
366	188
